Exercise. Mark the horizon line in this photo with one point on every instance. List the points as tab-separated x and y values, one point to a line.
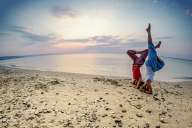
32	55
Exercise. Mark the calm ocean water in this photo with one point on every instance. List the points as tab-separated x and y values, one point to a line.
100	64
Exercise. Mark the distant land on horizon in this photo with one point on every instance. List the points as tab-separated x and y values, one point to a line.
22	56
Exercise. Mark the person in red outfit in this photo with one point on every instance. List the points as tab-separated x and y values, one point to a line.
138	61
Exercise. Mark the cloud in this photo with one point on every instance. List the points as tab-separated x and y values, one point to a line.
115	44
98	44
105	39
188	12
37	42
88	42
3	34
74	43
63	12
75	40
34	37
164	37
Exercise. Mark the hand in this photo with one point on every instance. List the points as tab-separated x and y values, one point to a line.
132	51
149	28
159	44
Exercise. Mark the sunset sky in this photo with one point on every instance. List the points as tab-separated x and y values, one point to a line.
94	26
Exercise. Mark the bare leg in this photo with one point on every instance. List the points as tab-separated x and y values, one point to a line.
148	88
134	82
132	55
139	84
149	33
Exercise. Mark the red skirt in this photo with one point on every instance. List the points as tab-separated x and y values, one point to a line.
136	72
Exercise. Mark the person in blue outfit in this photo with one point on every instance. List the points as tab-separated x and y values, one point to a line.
138	58
153	63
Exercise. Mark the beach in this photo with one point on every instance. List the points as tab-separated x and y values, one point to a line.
45	99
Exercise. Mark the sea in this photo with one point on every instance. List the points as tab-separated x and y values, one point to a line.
99	64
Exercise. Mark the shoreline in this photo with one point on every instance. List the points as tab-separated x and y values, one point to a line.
32	98
177	79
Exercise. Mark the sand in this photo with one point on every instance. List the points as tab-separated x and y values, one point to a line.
37	99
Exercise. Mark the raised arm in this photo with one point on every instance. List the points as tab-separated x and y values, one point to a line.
131	52
146	50
158	45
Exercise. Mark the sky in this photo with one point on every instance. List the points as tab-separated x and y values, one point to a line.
94	26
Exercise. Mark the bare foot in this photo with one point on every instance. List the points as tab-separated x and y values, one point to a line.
139	84
134	82
148	28
148	92
148	89
142	87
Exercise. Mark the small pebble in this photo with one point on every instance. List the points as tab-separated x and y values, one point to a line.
118	122
107	109
162	120
146	125
139	115
124	111
148	111
104	115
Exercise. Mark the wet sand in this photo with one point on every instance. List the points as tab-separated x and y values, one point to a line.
37	99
